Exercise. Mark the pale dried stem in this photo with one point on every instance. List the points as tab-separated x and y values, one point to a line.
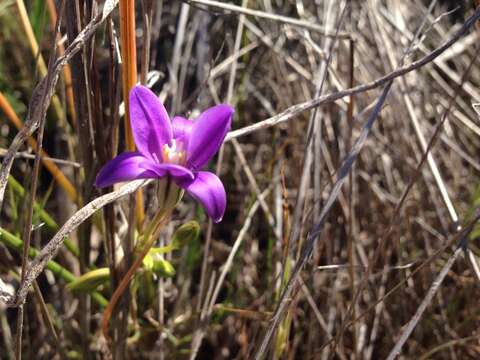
274	17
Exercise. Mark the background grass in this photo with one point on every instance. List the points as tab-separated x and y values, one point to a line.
199	55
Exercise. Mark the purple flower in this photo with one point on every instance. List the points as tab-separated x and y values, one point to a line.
177	148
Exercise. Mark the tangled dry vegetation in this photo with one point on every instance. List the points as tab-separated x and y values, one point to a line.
351	174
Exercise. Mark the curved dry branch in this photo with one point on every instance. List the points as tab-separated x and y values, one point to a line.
43	92
297	109
49	251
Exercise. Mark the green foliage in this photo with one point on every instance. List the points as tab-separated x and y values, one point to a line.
163	267
185	234
475	205
15	243
38	17
90	281
194	254
39	212
154	262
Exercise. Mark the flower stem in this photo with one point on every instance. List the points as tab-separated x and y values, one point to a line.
151	233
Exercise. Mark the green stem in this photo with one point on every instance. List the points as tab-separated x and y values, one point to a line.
15	243
163	250
44	216
151	233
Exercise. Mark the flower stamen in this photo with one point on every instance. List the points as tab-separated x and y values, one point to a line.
173	154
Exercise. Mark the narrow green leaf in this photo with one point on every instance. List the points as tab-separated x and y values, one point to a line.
90	281
15	243
163	267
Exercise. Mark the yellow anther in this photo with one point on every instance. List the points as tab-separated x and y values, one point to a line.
173	154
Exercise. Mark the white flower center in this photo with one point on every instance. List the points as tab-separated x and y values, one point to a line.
174	154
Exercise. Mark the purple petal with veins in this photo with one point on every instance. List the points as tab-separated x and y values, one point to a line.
181	129
207	135
125	167
177	149
150	123
176	171
207	189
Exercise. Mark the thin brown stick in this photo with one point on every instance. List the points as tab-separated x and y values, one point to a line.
129	61
27	229
150	237
67	73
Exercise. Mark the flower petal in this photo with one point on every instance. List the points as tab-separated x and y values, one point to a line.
150	122
125	167
209	191
181	128
176	171
207	135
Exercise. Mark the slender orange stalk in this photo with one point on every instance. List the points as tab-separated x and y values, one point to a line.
49	165
129	61
129	77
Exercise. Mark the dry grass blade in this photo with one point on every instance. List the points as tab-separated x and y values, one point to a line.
433	289
37	54
266	15
315	232
295	110
47	162
27	226
341	178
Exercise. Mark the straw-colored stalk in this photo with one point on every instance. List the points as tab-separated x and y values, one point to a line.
41	67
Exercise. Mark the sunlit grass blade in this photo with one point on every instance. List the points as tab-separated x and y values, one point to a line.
42	68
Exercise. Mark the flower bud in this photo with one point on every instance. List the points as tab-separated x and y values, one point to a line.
185	234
